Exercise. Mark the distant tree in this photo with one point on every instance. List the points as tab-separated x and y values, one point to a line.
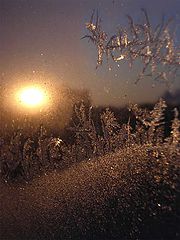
154	47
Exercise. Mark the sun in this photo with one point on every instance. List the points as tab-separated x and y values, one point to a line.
32	97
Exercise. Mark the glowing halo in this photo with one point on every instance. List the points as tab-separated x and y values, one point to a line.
32	97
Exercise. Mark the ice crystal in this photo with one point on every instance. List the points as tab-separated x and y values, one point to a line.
89	140
55	151
27	156
154	47
128	178
152	120
98	37
175	133
110	127
86	136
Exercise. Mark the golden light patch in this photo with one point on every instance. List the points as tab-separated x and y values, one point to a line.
32	97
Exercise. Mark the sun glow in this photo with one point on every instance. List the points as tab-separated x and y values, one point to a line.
32	97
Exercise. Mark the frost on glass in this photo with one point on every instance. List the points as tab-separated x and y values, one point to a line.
151	121
154	47
125	173
99	177
43	151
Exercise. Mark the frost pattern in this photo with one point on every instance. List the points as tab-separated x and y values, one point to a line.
118	176
152	121
154	47
32	155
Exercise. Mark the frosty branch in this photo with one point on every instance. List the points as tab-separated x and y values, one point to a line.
154	47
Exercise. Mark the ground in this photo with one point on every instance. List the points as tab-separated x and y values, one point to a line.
117	196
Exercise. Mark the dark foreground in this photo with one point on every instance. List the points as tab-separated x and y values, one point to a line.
130	194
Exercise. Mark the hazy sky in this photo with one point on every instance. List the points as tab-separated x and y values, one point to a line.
42	39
